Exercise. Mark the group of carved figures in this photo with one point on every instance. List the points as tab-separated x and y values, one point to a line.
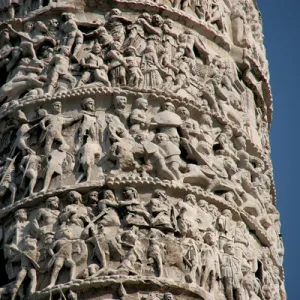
165	143
157	237
237	19
146	53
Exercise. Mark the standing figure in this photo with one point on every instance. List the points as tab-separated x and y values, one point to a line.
53	125
210	258
55	162
226	227
151	69
171	154
46	220
117	65
163	215
231	273
134	73
30	166
59	68
61	252
7	182
139	119
29	266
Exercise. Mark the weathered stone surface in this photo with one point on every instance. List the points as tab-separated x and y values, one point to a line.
134	154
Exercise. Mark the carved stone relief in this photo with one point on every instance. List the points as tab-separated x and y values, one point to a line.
134	154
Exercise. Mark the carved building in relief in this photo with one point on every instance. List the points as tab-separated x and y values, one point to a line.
134	153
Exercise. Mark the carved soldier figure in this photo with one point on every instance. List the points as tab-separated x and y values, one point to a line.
210	258
29	266
94	68
115	24
171	153
7	173
153	156
46	220
61	252
136	212
168	122
107	206
156	252
226	227
71	36
231	272
59	68
139	119
30	166
15	237
191	257
75	213
117	65
134	73
53	125
163	214
56	160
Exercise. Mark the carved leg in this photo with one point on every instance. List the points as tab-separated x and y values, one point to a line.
33	282
47	180
58	264
71	264
20	278
228	288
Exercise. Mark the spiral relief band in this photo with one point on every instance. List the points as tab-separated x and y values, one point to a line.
134	154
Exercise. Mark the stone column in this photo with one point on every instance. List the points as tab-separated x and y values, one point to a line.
134	153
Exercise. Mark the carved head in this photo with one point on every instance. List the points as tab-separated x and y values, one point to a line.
141	103
210	237
21	215
115	12
190	198
161	194
93	197
168	296
67	16
203	204
168	106
169	22
161	137
131	51
65	50
115	46
109	194
65	232
183	113
228	131
229	248
141	136
157	20
88	104
56	107
53	23
130	193
74	197
28	26
227	213
96	49
4	36
120	102
52	202
240	143
146	16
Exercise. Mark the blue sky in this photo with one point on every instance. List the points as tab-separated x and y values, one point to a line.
281	23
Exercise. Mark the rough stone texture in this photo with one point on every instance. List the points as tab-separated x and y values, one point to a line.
134	153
